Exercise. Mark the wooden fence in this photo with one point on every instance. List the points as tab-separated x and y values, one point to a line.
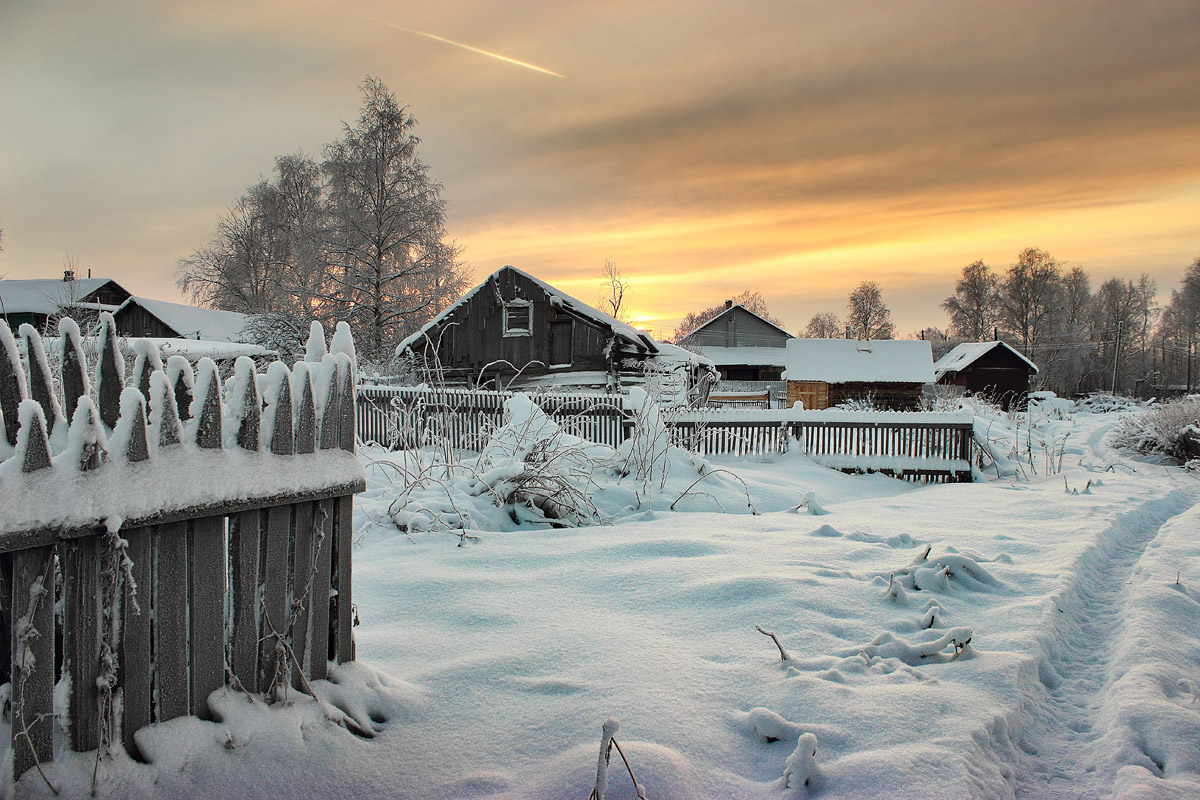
401	417
187	548
927	447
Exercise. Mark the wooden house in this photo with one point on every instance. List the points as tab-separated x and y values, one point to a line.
742	345
39	300
988	368
142	316
891	373
516	331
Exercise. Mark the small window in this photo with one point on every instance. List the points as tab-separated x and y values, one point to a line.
518	318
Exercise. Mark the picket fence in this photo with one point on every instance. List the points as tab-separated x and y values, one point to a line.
187	549
925	447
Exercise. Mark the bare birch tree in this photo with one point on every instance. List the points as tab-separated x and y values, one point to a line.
867	315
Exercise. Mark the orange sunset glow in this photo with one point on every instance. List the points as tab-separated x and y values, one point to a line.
794	149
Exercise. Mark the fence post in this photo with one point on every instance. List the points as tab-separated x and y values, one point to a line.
32	648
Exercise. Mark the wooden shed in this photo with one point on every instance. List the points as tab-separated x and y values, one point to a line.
742	345
143	316
39	300
890	373
515	330
989	368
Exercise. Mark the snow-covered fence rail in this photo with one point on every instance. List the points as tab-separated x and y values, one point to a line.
205	541
400	417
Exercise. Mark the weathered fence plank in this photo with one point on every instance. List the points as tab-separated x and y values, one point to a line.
171	621
274	600
244	538
302	568
343	544
135	659
32	606
207	611
81	568
318	646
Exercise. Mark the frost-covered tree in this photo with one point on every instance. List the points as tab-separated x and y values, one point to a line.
824	325
392	265
1031	299
867	315
974	308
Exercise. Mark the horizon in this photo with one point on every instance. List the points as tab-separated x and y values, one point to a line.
792	150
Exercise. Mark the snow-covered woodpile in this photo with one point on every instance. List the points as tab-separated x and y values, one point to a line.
191	532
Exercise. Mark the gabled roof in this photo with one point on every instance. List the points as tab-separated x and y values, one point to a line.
853	360
560	299
729	311
191	322
47	295
968	353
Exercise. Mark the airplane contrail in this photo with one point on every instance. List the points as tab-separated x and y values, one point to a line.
443	39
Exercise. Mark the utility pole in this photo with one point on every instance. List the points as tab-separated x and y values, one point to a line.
1116	359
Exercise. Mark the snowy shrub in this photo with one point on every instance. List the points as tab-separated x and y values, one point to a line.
1172	429
1104	403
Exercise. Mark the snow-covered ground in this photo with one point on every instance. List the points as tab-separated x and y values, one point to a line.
1036	636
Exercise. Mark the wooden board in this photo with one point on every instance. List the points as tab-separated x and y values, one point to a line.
318	646
243	559
135	639
33	669
344	537
207	611
275	593
81	638
171	660
302	564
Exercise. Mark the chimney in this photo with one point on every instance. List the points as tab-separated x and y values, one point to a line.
728	304
68	275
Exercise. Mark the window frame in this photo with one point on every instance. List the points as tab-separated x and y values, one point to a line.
509	330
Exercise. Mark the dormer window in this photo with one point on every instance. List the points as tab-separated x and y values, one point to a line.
518	318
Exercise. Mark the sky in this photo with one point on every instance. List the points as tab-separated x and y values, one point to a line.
795	149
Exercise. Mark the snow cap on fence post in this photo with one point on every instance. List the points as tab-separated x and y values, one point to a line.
86	442
164	414
75	382
12	383
277	413
304	408
148	360
343	342
346	384
129	436
110	372
314	349
33	447
205	410
183	385
328	401
243	407
41	384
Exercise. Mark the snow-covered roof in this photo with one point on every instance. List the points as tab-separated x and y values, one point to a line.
851	360
733	356
968	353
192	322
557	298
45	295
730	311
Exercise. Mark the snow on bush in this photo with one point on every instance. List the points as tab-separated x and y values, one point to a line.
531	471
1172	429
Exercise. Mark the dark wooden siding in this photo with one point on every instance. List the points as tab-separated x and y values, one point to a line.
998	374
472	335
737	327
133	320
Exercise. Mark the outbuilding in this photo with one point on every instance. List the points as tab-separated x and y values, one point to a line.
994	369
887	373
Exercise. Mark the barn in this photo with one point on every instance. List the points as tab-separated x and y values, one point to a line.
39	300
891	373
994	369
516	331
143	316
